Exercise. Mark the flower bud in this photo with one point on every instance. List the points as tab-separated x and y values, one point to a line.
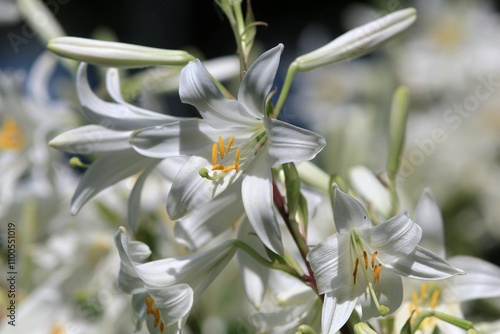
358	41
115	54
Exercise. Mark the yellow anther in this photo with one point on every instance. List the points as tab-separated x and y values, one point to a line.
365	257
376	273
434	298
149	304
374	256
414	297
229	168
229	144
237	159
355	272
218	167
11	135
214	154
423	292
221	147
155	312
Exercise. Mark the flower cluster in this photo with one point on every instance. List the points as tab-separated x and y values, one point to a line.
315	252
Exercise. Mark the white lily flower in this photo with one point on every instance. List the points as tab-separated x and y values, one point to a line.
363	264
235	139
110	139
167	289
482	279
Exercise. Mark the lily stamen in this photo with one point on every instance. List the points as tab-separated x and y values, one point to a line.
423	290
222	150
434	298
155	312
355	272
229	144
374	256
221	147
365	257
214	154
376	273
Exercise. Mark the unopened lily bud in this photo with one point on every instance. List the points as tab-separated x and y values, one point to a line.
358	41
115	54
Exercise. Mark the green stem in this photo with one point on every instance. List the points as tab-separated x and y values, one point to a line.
285	89
461	323
394	198
260	259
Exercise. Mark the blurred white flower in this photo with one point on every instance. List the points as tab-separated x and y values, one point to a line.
482	279
27	121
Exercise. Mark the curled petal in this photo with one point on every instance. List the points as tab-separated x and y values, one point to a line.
174	302
106	171
108	114
348	213
197	88
424	264
394	238
288	143
258	82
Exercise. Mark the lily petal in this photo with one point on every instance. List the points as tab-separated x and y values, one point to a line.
394	238
197	270
106	171
90	139
134	199
423	264
257	194
324	260
389	292
348	213
114	90
211	220
482	279
190	191
174	302
288	143
258	81
428	216
254	276
197	88
183	138
103	112
337	308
